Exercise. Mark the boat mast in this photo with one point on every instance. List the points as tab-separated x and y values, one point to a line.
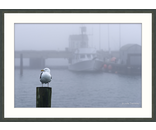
83	29
119	36
99	37
108	42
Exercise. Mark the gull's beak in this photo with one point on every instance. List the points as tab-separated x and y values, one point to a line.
42	70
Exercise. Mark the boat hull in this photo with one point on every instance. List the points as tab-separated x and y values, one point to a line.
88	65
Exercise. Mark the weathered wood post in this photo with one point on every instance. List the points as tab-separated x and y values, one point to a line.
21	64
43	96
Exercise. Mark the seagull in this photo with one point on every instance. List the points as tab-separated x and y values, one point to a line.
45	76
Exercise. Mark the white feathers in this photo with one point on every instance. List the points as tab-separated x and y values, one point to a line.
45	76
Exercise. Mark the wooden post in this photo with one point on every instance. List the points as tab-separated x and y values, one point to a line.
21	64
43	96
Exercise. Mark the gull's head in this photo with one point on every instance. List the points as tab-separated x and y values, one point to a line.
45	70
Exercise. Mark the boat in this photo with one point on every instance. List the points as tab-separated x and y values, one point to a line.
84	58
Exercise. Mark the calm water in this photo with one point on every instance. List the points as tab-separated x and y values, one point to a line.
74	90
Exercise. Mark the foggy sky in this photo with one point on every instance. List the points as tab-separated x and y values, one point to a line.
55	36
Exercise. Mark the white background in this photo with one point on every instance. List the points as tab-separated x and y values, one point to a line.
11	112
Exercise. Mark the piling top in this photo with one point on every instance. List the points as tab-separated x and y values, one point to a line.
44	87
43	96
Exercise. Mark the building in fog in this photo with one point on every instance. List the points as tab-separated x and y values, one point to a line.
130	55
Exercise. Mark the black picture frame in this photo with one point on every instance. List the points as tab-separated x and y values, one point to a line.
2	119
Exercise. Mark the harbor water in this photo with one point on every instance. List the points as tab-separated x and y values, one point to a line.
80	89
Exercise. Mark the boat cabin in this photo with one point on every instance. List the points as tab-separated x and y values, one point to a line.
78	41
84	54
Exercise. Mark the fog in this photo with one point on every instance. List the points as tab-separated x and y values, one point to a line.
56	37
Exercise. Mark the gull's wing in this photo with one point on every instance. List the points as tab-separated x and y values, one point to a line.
41	75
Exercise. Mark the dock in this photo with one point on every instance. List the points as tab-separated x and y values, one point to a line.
126	60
